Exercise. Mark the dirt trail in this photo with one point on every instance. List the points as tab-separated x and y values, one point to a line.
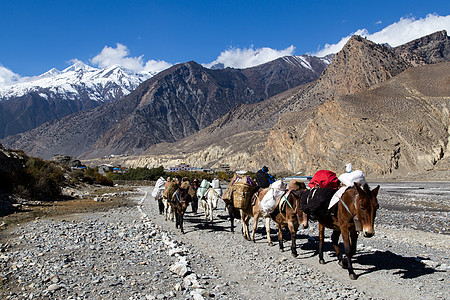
262	272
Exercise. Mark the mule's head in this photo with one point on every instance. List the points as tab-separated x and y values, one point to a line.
366	208
185	198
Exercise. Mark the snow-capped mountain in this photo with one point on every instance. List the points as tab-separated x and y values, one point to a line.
56	94
79	80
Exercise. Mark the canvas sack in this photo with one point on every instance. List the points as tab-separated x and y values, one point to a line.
269	201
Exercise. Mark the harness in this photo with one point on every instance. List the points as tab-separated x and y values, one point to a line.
177	197
284	198
357	222
345	205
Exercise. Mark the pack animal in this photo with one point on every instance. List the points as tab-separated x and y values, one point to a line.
181	199
288	213
237	199
209	203
170	188
357	204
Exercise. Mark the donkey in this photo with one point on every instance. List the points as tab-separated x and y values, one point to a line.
356	208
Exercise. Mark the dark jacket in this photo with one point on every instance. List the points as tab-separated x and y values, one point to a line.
264	179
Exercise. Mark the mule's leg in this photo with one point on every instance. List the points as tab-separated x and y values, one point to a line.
269	240
230	213
353	241
293	230
335	240
245	221
180	221
348	253
166	209
210	211
255	226
321	238
177	223
280	236
160	206
205	208
172	212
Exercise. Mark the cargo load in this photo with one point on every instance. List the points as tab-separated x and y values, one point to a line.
159	188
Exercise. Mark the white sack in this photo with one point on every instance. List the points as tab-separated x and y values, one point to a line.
215	184
349	179
159	188
269	200
204	186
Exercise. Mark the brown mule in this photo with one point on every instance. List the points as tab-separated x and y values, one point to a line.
244	213
356	205
291	216
180	201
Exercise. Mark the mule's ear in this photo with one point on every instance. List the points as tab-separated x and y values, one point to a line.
358	188
375	191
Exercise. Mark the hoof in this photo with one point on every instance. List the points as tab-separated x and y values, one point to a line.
294	254
270	244
352	276
321	261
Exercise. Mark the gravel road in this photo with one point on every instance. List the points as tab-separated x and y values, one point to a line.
131	252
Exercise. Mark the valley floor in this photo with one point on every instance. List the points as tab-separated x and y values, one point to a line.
130	251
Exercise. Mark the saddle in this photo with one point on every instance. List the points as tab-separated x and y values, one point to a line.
316	201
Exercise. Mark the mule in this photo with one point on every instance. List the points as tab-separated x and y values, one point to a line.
257	213
236	213
356	205
170	188
181	199
209	203
288	213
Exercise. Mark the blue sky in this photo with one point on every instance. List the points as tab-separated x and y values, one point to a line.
40	35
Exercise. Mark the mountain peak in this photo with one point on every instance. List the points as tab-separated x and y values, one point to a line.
430	49
78	65
50	73
359	65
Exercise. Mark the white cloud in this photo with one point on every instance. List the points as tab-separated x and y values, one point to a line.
401	32
8	77
119	56
250	57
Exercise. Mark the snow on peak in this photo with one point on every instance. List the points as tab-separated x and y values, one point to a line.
298	60
50	73
79	78
78	65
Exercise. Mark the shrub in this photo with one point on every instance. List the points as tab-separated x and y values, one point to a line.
39	180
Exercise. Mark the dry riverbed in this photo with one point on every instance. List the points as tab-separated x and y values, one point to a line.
119	247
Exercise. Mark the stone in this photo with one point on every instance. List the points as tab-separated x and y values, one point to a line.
179	268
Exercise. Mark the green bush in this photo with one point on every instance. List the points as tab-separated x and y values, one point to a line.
39	180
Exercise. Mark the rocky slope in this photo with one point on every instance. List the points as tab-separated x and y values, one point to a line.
430	49
400	127
375	129
171	105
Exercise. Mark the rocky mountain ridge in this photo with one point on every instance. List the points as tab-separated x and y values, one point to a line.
173	104
56	94
326	127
